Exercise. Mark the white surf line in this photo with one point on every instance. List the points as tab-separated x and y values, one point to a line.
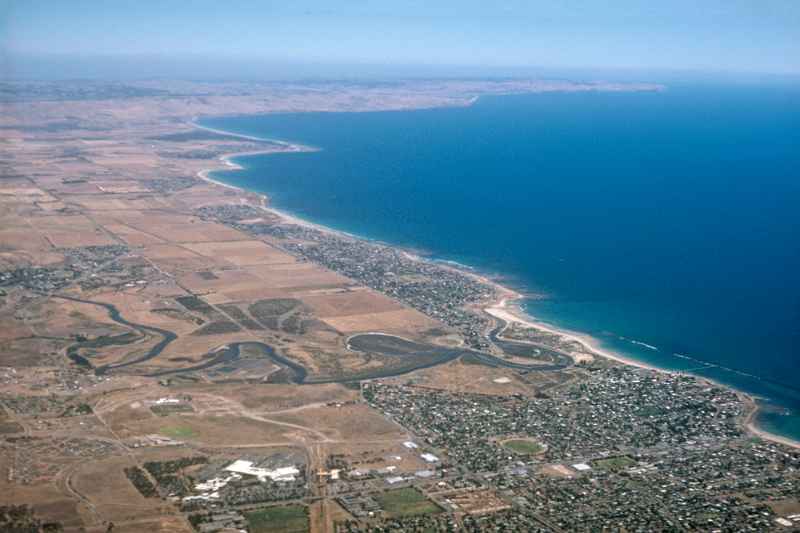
506	312
643	344
499	309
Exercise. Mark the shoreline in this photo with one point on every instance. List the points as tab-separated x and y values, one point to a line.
293	147
510	312
502	308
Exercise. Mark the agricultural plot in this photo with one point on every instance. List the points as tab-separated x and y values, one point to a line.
298	276
406	502
242	253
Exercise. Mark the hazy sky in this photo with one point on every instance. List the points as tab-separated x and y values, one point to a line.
721	35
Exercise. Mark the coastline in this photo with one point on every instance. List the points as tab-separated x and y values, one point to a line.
511	312
291	147
502	308
749	423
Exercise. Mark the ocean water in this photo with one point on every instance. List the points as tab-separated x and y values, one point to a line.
667	225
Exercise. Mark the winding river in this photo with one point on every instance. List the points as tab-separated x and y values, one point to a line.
420	355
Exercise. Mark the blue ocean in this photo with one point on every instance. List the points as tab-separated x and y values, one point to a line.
665	224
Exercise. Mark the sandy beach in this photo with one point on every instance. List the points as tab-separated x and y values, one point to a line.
503	308
510	313
507	311
229	164
752	428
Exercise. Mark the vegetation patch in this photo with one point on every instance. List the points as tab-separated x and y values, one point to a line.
79	409
272	307
169	476
405	502
20	518
178	432
219	327
614	463
470	359
171	409
523	446
193	303
239	315
177	314
10	427
142	483
284	519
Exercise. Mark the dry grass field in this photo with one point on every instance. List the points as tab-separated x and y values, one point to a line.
271	398
242	253
220	431
297	277
114	498
402	321
71	231
346	423
462	377
351	303
81	174
221	282
376	455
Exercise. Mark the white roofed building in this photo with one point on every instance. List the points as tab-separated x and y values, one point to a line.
285	473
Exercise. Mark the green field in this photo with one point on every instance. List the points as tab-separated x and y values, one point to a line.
405	502
614	463
288	519
523	446
178	432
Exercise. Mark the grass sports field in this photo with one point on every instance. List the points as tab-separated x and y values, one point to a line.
285	519
523	446
405	502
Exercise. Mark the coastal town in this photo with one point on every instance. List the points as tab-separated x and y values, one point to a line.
441	293
179	356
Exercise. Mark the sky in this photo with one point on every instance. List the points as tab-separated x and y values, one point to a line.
760	36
